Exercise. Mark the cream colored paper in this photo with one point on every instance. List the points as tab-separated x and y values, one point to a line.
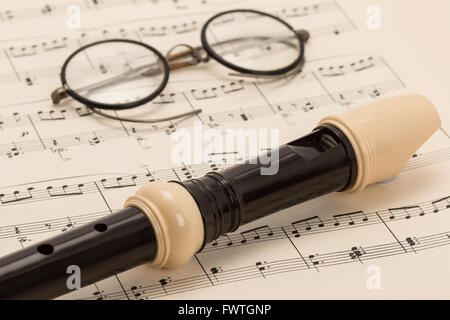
61	167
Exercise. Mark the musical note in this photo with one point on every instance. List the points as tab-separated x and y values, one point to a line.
306	225
356	253
261	266
138	291
103	69
412	241
230	242
17	117
23	51
213	166
67	226
94	141
223	157
165	98
118	183
170	129
13	151
65	190
256	234
83	112
10	15
52	115
22	240
186	172
349	218
363	64
204	94
98	295
309	105
348	97
244	117
405	212
306	105
47	10
314	261
153	31
185	27
303	11
375	93
150	177
16	196
214	271
443	203
29	81
233	87
143	143
332	71
164	282
352	67
123	33
61	153
55	44
295	12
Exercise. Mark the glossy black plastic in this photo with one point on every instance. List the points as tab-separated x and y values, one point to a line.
316	164
100	249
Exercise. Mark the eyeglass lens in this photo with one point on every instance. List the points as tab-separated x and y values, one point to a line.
253	41
114	72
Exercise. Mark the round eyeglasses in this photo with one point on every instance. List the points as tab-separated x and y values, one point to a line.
120	74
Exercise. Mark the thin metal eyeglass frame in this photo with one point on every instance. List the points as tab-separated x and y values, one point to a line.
168	63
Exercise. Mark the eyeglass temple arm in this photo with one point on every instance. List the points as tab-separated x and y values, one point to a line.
155	120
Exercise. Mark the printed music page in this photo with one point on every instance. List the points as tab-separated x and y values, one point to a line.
63	166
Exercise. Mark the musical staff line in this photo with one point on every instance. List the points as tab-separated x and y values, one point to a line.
297	229
142	33
224	88
421	160
322	72
31	194
90	5
266	269
93	138
306	226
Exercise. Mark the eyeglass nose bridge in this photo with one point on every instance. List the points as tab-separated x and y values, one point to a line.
197	55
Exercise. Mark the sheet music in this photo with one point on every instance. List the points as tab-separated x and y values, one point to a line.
63	166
